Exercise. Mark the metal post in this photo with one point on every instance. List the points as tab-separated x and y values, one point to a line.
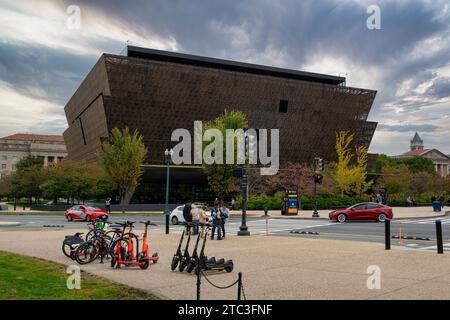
440	246
198	278
243	229
167	193
315	213
387	234
15	203
239	285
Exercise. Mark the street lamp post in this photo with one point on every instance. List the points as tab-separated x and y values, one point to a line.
167	159
315	213
243	229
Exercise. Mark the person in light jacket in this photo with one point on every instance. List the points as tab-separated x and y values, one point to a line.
195	214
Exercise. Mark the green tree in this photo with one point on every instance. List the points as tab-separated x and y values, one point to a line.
25	181
75	181
359	174
396	180
415	164
220	176
351	179
344	178
122	160
419	164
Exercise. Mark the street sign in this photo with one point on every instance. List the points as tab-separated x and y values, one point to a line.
292	202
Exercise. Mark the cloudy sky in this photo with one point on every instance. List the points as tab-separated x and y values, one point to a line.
43	59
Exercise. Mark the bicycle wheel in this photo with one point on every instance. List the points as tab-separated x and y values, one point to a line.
123	251
89	235
86	252
66	250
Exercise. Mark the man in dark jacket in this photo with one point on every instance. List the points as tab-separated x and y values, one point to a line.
187	211
216	216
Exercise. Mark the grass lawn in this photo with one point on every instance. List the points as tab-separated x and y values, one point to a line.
26	278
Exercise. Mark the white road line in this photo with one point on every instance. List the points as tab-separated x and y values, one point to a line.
420	221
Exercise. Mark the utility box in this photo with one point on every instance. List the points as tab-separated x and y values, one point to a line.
290	203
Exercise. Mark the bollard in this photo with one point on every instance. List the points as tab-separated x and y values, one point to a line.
387	234
267	227
400	234
198	279
440	246
239	285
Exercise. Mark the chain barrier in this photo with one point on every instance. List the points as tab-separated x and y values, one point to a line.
237	282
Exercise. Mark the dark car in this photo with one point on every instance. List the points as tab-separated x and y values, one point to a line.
363	211
84	212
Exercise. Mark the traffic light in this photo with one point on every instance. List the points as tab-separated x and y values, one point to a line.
318	178
320	164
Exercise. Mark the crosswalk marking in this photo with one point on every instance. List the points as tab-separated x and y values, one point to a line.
258	227
427	221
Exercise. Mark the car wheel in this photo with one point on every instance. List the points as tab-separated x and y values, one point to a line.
382	217
174	220
341	218
88	218
69	218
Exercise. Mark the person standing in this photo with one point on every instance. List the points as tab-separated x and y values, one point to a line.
233	204
217	221
442	200
203	216
379	198
195	214
225	215
108	205
187	212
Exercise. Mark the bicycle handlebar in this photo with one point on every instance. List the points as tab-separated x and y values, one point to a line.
148	223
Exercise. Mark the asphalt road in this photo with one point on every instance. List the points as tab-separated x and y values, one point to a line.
356	231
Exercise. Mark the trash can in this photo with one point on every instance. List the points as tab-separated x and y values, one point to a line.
436	206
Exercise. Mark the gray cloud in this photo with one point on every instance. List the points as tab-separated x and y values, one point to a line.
285	33
408	128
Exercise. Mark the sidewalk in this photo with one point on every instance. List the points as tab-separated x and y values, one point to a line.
272	267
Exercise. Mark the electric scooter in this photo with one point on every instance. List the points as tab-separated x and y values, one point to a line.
211	264
124	250
185	258
194	258
178	254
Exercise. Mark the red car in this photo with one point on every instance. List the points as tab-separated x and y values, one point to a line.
84	212
363	211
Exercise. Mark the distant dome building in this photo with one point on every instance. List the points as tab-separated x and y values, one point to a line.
440	160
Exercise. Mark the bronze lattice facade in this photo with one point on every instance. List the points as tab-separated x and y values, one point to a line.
157	92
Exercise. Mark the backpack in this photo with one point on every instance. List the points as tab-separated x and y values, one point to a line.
225	214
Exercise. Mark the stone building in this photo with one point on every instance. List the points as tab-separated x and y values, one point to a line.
51	148
440	160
